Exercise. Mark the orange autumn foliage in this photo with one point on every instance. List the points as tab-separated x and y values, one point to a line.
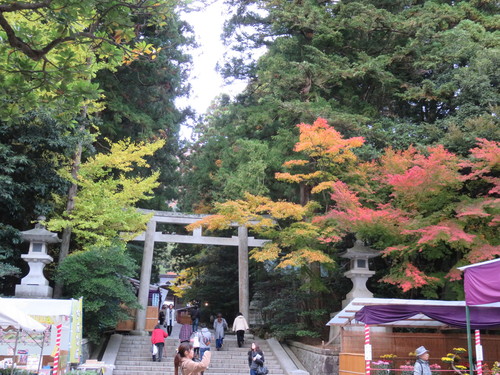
325	148
424	211
321	140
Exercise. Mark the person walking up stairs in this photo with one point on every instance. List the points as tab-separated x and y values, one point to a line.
134	357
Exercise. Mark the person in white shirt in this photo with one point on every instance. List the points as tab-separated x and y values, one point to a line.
240	325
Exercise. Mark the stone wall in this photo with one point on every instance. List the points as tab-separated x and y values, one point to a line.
316	360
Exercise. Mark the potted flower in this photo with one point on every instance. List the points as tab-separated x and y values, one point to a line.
453	358
384	365
435	369
381	367
495	370
406	369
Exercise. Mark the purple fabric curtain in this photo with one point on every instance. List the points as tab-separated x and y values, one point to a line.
481	317
482	283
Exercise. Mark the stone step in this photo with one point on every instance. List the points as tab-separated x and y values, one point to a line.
148	347
209	371
148	369
143	339
135	358
231	357
213	362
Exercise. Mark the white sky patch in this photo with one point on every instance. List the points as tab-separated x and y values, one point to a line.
206	83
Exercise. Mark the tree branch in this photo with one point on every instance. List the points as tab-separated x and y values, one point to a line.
13	7
38	54
18	43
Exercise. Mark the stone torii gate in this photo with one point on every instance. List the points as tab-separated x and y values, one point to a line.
151	236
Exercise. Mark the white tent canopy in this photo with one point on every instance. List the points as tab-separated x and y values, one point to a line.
10	316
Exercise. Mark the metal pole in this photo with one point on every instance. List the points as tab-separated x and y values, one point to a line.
469	339
14	362
41	351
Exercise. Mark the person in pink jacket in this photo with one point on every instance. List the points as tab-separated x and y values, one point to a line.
187	365
158	337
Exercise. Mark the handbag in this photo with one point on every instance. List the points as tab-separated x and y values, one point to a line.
196	342
262	370
155	349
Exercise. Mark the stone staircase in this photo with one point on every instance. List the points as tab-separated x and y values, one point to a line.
134	357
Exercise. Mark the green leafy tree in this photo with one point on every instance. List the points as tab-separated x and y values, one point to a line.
236	151
140	95
105	206
99	275
289	310
32	149
396	73
52	49
140	101
210	268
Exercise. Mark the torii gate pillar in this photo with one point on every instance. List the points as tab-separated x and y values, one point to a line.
147	264
244	299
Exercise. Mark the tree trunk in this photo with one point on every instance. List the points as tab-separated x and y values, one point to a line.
304	194
66	236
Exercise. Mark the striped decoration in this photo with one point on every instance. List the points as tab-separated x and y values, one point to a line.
479	364
367	344
57	349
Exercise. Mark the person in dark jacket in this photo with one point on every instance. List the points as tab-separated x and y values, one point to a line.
161	317
195	317
255	358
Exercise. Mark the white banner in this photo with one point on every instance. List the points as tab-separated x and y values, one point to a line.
479	353
368	352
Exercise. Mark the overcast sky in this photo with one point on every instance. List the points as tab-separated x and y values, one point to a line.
206	83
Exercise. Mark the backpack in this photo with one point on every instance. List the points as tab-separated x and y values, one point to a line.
206	340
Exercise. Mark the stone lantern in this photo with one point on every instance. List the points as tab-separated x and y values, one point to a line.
34	284
359	272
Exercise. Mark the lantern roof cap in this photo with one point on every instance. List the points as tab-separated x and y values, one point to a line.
360	250
40	234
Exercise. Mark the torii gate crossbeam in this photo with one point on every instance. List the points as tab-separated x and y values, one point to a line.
151	236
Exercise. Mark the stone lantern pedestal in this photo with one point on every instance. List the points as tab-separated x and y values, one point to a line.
359	273
34	284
